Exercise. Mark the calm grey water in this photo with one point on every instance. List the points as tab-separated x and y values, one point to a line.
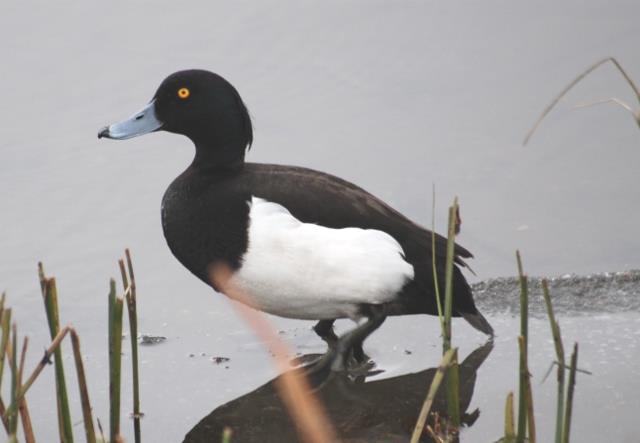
392	96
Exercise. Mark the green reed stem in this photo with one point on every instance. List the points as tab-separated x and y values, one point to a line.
453	378
524	373
51	307
557	341
431	395
527	390
42	277
572	383
453	392
115	359
448	293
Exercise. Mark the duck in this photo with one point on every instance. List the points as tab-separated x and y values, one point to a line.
301	243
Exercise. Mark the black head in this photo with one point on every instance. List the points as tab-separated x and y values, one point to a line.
201	105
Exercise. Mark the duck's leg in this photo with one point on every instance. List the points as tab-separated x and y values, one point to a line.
324	328
352	340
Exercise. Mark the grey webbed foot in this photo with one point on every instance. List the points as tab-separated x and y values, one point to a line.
350	344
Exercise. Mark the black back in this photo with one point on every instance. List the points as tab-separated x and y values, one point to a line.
205	218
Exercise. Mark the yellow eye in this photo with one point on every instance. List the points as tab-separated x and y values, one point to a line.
183	93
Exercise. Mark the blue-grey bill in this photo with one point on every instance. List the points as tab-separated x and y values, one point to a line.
142	122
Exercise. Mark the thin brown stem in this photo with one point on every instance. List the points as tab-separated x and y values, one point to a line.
43	362
575	81
84	391
25	417
3	415
303	406
570	389
445	363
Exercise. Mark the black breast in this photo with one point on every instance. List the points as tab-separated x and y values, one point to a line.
205	221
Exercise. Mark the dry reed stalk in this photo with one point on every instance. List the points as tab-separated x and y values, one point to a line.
129	283
46	359
509	426
115	360
87	415
577	80
23	408
431	395
304	408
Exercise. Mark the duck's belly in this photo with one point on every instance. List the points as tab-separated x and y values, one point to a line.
301	270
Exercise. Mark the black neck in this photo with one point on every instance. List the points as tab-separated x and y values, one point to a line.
225	157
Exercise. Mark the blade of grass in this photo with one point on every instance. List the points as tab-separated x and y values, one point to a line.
115	360
436	285
531	426
132	310
431	395
572	383
557	341
524	373
51	308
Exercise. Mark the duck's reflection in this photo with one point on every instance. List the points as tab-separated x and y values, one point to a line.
378	411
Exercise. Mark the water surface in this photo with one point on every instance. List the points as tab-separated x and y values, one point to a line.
394	97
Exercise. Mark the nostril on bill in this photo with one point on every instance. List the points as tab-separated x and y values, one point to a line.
139	116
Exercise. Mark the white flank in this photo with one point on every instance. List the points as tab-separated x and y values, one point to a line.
307	271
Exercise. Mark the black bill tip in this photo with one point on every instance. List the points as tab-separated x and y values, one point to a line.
104	132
